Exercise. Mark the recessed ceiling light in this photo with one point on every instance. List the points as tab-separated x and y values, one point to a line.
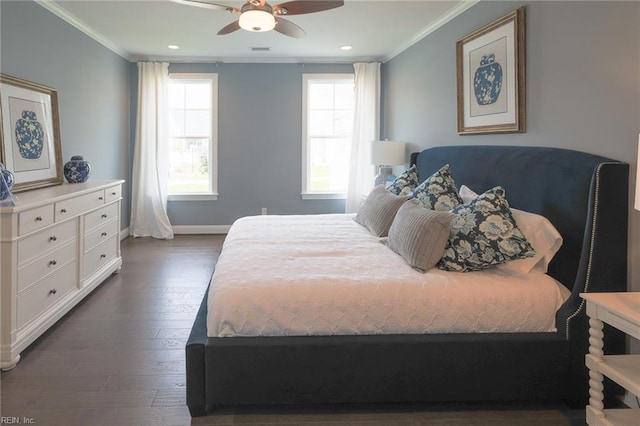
173	46
346	47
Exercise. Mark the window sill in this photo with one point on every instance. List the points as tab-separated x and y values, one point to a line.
192	197
323	196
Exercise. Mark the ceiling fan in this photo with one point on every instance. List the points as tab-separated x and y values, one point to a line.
260	16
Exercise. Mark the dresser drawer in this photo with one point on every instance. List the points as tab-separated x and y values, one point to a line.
99	256
46	294
46	240
100	234
78	205
45	265
31	220
113	193
100	217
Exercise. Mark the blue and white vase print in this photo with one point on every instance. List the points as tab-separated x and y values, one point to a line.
77	169
487	81
6	183
29	136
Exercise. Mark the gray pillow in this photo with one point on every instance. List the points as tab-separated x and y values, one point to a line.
378	210
419	235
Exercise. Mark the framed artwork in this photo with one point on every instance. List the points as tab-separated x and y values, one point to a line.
491	81
30	144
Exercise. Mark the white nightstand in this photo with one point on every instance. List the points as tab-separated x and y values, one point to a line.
622	311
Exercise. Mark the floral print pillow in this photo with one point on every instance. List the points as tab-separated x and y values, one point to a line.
438	192
484	234
405	183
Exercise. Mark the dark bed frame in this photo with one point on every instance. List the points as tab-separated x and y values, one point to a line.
583	195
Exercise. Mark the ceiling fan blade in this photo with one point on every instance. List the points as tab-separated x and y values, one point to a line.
299	7
206	4
234	26
288	28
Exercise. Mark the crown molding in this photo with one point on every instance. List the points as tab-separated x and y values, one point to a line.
63	14
442	20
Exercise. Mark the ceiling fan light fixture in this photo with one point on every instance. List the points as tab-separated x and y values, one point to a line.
257	20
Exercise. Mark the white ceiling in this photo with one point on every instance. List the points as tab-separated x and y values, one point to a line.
142	30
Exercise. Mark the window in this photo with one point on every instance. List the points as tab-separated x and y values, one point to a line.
193	133
327	126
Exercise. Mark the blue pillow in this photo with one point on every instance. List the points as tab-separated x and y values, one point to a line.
438	192
405	183
484	234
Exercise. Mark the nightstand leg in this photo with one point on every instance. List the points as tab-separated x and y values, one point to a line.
596	387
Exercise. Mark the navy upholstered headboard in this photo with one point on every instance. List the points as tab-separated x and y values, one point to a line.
585	197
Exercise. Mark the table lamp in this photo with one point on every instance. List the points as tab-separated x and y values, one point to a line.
386	154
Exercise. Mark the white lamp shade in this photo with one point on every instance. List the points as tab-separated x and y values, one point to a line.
257	21
387	153
637	205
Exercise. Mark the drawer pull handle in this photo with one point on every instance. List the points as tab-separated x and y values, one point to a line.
53	262
100	198
104	234
53	238
113	193
53	291
102	256
38	218
104	215
63	210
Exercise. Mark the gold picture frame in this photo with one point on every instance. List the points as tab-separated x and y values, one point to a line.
30	144
491	77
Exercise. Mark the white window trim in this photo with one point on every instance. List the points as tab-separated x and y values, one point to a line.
193	197
306	194
213	146
323	196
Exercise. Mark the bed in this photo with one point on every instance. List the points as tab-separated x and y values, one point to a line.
586	199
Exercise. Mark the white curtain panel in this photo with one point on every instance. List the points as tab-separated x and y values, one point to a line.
150	161
366	128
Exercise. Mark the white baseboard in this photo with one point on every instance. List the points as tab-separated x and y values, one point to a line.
200	229
189	230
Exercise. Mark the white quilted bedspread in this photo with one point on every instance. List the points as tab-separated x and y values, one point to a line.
326	275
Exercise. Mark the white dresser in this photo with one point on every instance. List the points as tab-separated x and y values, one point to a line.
56	245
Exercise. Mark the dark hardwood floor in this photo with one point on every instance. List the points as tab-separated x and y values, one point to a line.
118	359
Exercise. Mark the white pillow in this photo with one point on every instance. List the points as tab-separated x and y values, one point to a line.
543	236
467	194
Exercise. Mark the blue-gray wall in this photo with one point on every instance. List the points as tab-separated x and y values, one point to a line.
93	86
583	85
259	144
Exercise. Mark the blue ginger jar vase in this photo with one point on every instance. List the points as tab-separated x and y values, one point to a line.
487	80
77	169
29	136
6	182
